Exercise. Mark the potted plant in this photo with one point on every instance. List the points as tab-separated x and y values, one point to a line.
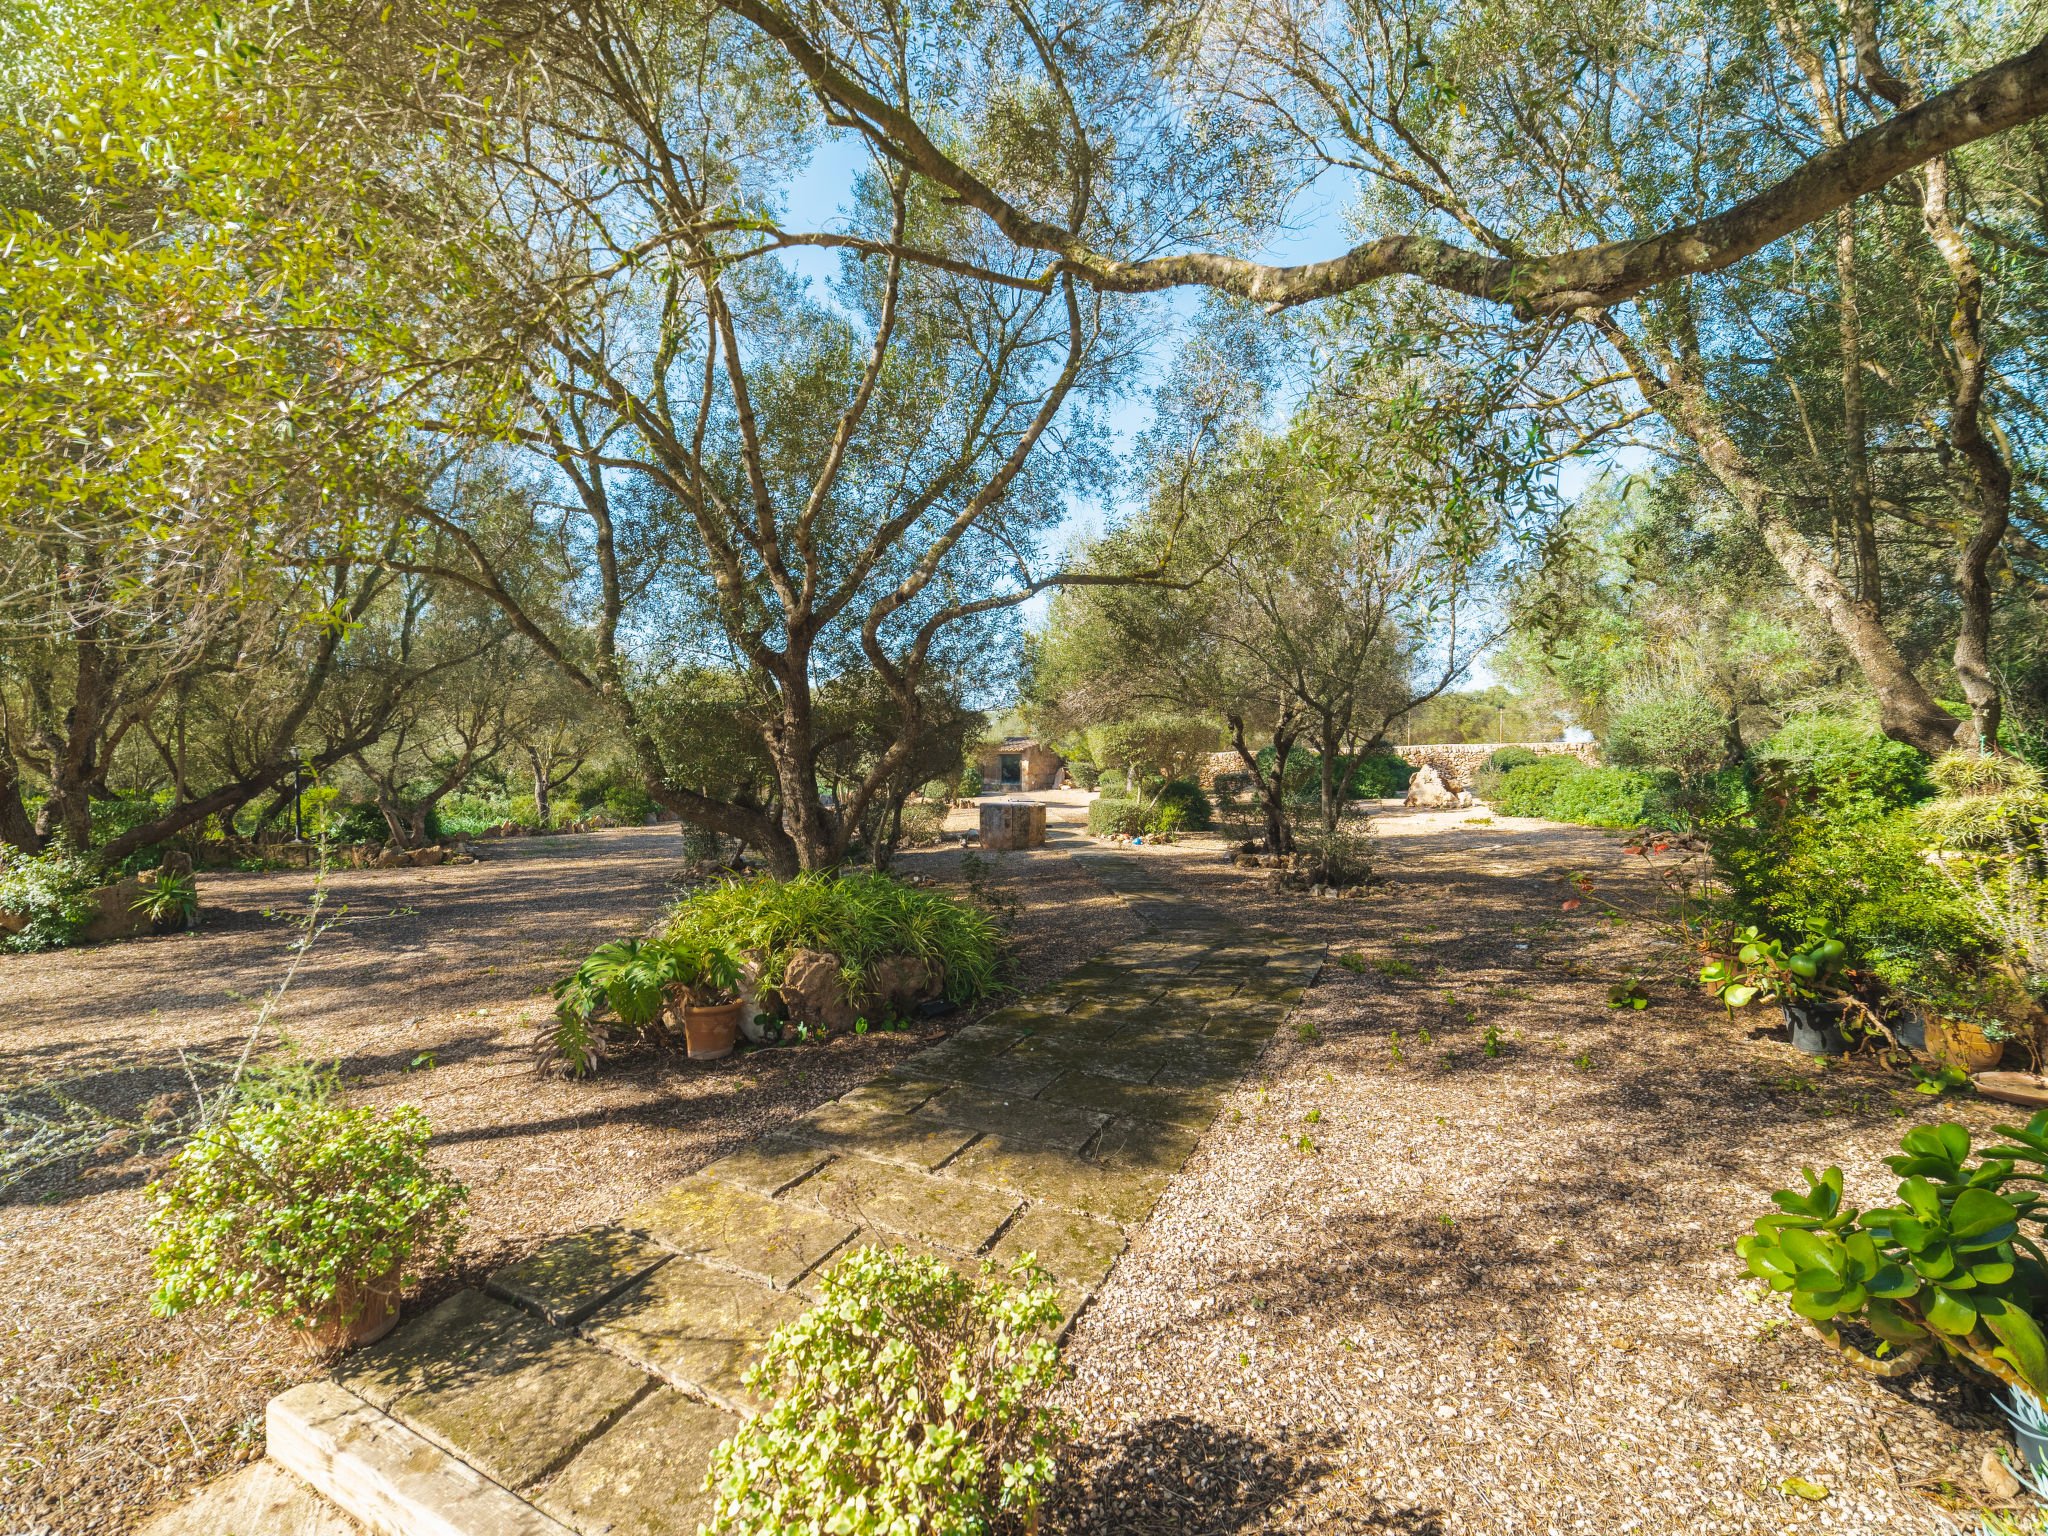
303	1210
703	987
648	981
1800	981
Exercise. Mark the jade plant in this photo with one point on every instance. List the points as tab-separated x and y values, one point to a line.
1952	1267
1764	968
290	1206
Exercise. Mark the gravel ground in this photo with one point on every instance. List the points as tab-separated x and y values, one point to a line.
424	991
1498	1293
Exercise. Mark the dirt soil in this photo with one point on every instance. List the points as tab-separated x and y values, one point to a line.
1409	1286
424	990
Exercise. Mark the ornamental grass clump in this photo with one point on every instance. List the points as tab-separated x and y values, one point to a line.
862	918
290	1207
909	1401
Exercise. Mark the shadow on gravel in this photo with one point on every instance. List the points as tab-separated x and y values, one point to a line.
1181	1477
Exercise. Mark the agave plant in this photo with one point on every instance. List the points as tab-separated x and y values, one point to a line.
1947	1268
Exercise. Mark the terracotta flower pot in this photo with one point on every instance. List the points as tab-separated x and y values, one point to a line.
377	1299
710	1033
1959	1043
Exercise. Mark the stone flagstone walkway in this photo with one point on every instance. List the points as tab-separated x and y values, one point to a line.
586	1390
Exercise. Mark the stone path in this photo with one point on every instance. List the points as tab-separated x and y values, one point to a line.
586	1390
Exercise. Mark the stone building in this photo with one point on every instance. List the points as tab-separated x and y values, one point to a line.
1018	762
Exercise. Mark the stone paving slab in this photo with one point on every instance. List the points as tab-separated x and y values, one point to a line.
1016	1117
1144	1146
939	1212
510	1395
644	1475
1130	1061
915	1141
262	1497
568	1280
895	1095
1073	1248
768	1166
734	1229
695	1327
1008	1075
1123	1194
1190	1107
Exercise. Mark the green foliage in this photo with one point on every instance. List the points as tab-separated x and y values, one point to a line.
53	890
1107	817
629	804
1764	968
1683	734
1505	760
908	1400
359	821
1600	797
1839	768
1084	773
170	901
862	918
1186	797
970	781
1948	1267
289	1203
1528	790
1985	802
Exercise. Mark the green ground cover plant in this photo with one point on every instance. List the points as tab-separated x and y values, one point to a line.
53	891
909	1400
289	1204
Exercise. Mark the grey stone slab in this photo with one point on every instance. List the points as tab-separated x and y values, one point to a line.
260	1500
1144	1146
505	1392
768	1165
1099	1025
1000	1074
1070	1247
695	1327
568	1280
1123	1194
1192	1107
737	1230
385	1475
1133	1062
1209	1063
1246	1024
914	1141
894	1095
939	1213
1016	1117
645	1475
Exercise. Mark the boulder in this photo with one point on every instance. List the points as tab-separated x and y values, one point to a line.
813	992
1427	788
117	917
426	858
756	1003
391	858
903	981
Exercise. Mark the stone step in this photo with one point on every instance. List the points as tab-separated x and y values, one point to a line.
394	1481
260	1500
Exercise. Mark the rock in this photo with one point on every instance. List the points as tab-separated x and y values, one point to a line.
117	917
462	858
12	922
903	981
1245	860
1427	788
1998	1477
427	858
1012	824
175	863
391	858
813	991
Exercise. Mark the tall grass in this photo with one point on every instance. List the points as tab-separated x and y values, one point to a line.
862	918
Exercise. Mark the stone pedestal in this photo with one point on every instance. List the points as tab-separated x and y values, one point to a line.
1009	824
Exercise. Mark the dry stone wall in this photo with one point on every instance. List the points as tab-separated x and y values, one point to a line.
1455	762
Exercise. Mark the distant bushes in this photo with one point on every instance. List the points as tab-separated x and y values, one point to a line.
1601	797
1114	811
1112	816
1527	790
1486	783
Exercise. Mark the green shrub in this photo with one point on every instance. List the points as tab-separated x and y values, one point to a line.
53	890
1684	734
1111	786
289	1204
1381	776
1108	817
909	1399
1839	768
862	918
1949	1269
1527	790
358	821
1487	781
1185	796
1601	797
630	804
970	781
1084	774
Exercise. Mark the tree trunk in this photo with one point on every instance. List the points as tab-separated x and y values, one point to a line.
1272	791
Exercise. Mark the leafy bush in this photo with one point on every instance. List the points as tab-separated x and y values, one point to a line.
1839	768
1684	734
1107	817
630	803
1527	790
1185	796
358	821
631	980
1084	773
1487	780
862	918
923	825
170	901
1341	858
910	1399
1985	802
1600	797
53	890
1112	786
1945	1269
970	781
288	1205
1380	777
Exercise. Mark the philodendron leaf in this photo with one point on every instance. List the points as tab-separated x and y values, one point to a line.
2021	1344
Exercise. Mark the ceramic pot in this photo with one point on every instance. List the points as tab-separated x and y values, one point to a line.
1816	1027
2014	1088
710	1033
1959	1043
375	1304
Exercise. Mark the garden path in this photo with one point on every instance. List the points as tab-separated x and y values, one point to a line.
584	1388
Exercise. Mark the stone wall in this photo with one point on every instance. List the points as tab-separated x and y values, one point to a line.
1456	762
